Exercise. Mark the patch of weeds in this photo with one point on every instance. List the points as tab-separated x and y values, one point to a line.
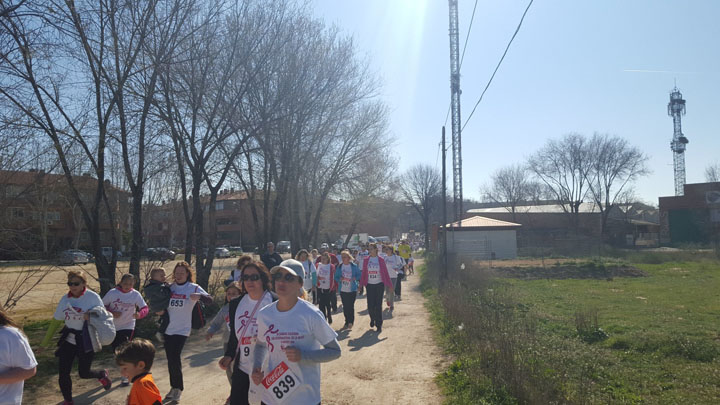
464	383
692	349
588	328
619	343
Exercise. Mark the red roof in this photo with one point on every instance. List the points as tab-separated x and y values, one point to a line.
482	223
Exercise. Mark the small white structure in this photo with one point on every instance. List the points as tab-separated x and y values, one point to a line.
482	238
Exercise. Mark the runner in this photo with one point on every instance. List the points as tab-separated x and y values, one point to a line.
293	339
17	361
221	322
325	283
310	273
404	250
411	265
185	295
126	305
347	275
395	265
71	309
376	278
359	258
235	273
240	347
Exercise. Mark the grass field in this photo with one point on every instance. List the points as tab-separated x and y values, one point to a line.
650	339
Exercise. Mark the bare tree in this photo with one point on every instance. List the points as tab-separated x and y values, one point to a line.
563	166
512	186
422	187
615	165
712	172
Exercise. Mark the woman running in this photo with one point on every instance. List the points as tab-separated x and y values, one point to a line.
221	322
376	279
240	347
126	305
310	273
17	361
185	295
395	265
293	339
72	309
324	285
347	275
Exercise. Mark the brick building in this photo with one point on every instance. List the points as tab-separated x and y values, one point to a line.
693	217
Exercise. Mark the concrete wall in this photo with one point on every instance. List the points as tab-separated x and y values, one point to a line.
481	244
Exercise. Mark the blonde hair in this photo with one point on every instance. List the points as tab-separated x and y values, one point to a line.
156	270
77	274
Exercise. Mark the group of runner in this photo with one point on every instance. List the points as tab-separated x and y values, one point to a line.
275	322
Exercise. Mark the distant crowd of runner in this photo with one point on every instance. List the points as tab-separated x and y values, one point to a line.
275	324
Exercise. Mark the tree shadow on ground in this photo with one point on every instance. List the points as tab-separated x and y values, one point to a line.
201	359
89	397
368	339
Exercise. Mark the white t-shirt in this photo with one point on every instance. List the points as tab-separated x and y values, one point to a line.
324	272
374	271
243	317
71	310
309	267
180	308
304	327
346	278
394	265
15	352
126	302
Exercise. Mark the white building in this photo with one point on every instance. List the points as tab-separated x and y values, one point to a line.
483	238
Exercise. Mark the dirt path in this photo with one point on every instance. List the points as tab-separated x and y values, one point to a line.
396	367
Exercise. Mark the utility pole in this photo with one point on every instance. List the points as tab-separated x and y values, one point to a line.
455	108
443	273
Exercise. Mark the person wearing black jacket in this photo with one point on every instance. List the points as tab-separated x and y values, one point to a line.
271	258
256	289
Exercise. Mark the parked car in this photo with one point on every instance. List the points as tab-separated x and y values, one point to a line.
89	255
161	254
283	246
70	257
222	252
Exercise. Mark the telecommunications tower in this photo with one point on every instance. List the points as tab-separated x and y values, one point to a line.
676	109
455	109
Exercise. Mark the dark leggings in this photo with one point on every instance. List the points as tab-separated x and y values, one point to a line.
324	297
122	336
66	354
239	388
398	285
348	303
173	350
374	302
333	300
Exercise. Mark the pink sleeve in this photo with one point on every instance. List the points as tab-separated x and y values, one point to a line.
143	312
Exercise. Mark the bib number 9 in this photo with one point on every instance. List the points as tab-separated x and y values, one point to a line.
283	386
177	303
246	351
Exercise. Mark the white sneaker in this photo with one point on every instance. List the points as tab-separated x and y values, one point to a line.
173	395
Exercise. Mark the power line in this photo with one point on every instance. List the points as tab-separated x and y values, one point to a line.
499	63
462	58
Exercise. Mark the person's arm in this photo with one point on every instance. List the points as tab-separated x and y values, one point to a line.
16	374
218	322
142	312
52	328
259	354
329	352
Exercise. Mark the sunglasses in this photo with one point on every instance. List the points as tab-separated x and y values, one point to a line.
251	277
75	284
288	277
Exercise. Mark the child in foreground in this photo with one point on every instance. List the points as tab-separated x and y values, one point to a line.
135	359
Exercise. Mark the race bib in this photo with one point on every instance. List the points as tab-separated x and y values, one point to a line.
178	303
281	382
345	283
245	344
374	275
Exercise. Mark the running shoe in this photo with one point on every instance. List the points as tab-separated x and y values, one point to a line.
372	323
379	329
105	380
159	336
124	382
349	326
330	319
173	395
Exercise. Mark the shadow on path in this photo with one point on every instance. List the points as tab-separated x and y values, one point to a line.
203	358
368	339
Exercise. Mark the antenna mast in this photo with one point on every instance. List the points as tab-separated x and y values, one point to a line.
676	109
455	107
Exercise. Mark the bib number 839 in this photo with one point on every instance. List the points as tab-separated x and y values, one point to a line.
283	386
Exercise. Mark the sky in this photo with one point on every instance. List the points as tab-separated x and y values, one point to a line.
575	66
